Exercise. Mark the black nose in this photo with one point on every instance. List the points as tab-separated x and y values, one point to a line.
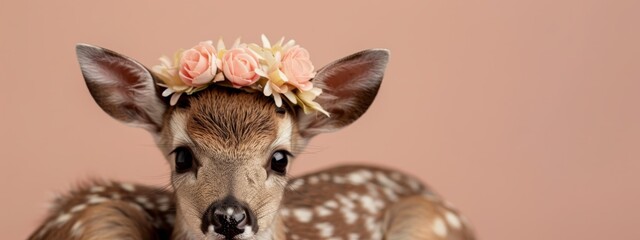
228	217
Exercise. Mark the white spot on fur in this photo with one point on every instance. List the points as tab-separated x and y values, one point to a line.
379	203
384	180
323	211
303	215
368	204
296	184
345	201
127	187
285	212
116	196
356	178
331	204
94	199
142	199
325	229
44	229
163	199
78	208
350	216
149	205
136	206
354	236
372	190
313	180
413	184
163	207
76	229
439	227
339	180
453	220
325	176
370	223
97	189
63	218
390	194
353	195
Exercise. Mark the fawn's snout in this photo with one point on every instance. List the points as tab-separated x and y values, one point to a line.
229	217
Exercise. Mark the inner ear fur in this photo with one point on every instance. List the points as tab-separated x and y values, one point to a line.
122	87
349	87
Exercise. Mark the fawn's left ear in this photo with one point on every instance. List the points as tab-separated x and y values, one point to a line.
349	86
122	87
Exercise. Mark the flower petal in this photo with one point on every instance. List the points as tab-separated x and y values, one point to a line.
260	72
267	90
291	97
265	41
167	92
219	77
278	99
221	44
174	98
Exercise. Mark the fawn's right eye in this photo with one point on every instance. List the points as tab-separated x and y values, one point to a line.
184	159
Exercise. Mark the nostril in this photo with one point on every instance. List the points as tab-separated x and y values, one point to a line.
229	220
241	219
239	216
228	217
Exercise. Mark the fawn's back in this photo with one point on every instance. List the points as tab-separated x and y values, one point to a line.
350	202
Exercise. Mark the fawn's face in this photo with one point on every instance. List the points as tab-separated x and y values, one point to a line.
229	150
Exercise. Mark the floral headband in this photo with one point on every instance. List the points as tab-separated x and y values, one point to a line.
275	70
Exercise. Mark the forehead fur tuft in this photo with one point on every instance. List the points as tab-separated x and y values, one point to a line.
227	118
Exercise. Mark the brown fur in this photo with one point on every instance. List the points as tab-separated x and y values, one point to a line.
409	216
107	210
230	133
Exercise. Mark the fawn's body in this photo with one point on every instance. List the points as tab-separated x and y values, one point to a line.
369	203
230	151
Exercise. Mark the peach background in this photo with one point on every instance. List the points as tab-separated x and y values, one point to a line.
525	114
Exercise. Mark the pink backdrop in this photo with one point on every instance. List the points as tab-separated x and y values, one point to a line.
524	114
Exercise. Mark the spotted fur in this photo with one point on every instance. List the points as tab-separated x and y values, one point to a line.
363	203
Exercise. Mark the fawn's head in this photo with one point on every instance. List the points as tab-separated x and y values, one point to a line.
229	149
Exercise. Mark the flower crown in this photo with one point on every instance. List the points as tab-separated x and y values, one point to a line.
274	69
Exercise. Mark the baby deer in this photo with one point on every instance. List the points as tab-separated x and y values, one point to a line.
230	151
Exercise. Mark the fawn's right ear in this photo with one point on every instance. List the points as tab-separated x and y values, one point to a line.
122	87
349	86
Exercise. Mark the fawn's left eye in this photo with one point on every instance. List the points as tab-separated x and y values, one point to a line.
184	159
279	161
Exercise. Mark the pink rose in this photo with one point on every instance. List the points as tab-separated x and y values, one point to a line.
198	64
239	66
298	68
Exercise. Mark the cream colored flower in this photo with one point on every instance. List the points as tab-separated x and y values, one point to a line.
282	70
167	72
305	100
